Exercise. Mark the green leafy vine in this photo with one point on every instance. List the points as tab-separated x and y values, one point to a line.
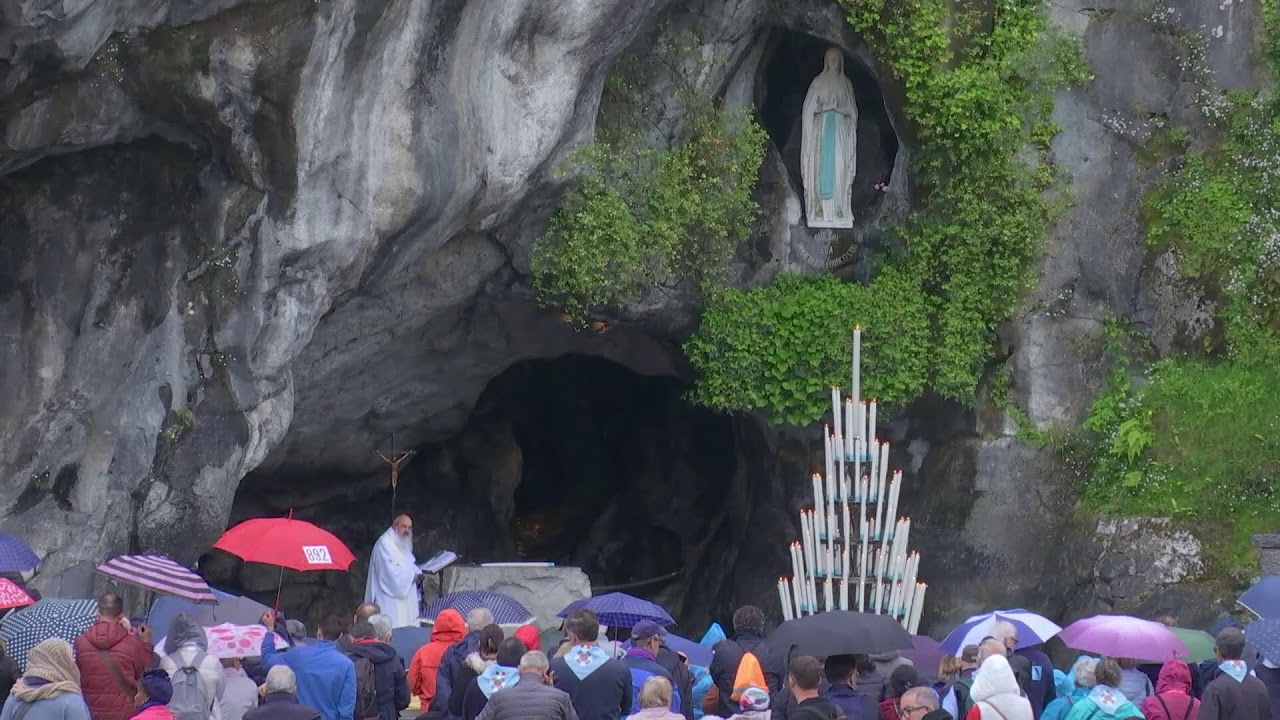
978	91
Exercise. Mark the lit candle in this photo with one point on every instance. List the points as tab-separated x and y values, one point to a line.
837	419
797	589
873	451
833	489
782	599
917	608
826	559
828	454
850	430
826	592
795	559
908	601
817	490
807	543
871	421
857	363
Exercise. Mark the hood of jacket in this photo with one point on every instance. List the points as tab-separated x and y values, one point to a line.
530	636
477	663
184	632
450	627
378	653
1175	675
1113	702
104	634
995	677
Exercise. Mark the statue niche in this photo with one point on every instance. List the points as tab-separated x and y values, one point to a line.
829	146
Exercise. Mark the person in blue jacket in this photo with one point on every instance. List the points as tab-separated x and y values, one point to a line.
642	661
326	677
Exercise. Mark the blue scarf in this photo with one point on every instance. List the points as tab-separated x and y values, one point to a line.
497	677
1237	669
585	659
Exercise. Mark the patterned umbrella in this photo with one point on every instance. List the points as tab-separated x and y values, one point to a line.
48	618
16	556
159	573
620	610
1265	636
506	610
236	641
1033	629
12	596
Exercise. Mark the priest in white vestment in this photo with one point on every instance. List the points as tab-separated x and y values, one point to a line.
392	574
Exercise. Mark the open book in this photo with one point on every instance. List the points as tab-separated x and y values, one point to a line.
441	561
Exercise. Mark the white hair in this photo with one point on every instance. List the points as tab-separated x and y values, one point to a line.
381	626
989	647
534	661
1084	672
1004	631
477	618
281	679
924	695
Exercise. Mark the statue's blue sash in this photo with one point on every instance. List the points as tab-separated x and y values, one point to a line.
827	163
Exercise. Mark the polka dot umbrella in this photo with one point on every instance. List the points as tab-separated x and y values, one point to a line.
48	618
236	641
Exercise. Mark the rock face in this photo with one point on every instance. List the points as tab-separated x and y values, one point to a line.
266	239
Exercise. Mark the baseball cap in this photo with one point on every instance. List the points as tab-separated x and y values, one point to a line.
645	630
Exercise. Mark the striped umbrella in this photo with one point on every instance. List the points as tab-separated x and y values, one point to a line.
1033	629
159	573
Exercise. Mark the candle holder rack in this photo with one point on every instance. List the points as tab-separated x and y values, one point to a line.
855	497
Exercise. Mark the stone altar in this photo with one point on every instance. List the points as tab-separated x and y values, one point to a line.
544	590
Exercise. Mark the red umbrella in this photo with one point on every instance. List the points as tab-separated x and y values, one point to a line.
287	543
12	596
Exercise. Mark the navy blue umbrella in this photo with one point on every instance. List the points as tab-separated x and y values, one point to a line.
620	610
1264	635
16	556
1263	599
48	618
506	609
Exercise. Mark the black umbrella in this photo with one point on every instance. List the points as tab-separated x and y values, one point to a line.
839	632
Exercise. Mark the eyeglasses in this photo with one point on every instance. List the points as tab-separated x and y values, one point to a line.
906	710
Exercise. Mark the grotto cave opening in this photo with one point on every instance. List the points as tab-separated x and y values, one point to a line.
576	460
791	61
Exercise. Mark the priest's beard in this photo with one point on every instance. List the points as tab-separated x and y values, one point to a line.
403	544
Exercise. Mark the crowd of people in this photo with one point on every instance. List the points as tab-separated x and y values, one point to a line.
471	670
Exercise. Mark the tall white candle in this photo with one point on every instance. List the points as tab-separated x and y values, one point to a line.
782	600
871	421
817	490
837	417
795	560
797	588
850	430
877	603
917	608
828	453
857	363
842	494
807	540
813	595
863	410
895	487
826	591
878	479
873	450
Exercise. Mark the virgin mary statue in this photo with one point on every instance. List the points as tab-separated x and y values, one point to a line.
828	156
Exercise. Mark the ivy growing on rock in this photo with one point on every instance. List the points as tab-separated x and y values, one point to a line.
643	213
979	90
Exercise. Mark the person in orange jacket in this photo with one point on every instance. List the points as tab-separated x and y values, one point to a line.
450	627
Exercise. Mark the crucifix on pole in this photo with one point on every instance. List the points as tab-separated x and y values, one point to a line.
395	460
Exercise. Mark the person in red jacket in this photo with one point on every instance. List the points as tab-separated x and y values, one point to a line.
112	658
449	628
1172	700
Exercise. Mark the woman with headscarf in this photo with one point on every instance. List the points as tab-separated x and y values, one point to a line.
154	693
187	646
50	689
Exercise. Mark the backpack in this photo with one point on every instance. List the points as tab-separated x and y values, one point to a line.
366	688
190	700
749	675
963	702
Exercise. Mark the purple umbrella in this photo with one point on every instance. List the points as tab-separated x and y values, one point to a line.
620	610
1124	637
926	654
16	556
695	653
159	573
